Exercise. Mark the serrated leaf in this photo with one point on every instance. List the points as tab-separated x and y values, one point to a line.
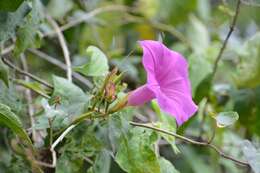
10	21
8	118
4	73
97	64
166	122
166	166
136	154
248	70
5	5
252	155
224	119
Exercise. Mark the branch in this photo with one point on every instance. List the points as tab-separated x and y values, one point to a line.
188	140
89	15
7	49
28	95
56	62
64	46
231	29
11	65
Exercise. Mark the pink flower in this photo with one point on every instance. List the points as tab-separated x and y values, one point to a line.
167	81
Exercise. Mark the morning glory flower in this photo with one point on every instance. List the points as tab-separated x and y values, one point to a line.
167	81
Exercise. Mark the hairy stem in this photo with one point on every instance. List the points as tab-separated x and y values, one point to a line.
188	140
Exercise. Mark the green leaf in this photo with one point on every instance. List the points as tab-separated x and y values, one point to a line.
136	154
252	155
198	33
166	122
10	97
248	70
10	21
110	133
4	73
68	163
224	119
35	86
59	8
6	5
73	99
8	118
204	9
203	89
102	162
195	161
166	166
200	68
27	34
97	64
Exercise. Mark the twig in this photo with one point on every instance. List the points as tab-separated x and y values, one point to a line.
29	99
52	149
188	140
7	50
231	29
11	65
89	15
61	65
64	46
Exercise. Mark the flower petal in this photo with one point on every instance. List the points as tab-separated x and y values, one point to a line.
140	96
181	106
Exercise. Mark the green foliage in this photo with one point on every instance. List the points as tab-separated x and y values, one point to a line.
166	122
27	34
36	87
9	119
5	5
252	155
198	33
248	71
4	73
196	163
102	162
67	163
10	21
73	100
97	64
135	153
166	166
